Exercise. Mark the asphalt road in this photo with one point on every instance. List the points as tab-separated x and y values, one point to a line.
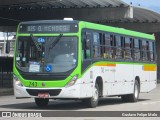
147	102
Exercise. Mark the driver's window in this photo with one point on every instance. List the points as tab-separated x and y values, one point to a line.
86	44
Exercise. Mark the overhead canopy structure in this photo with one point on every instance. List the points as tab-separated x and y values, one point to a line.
112	12
145	15
31	4
140	15
143	20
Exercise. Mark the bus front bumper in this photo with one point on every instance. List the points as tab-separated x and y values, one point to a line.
78	90
64	92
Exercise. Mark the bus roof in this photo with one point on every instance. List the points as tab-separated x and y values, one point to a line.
117	30
49	21
95	26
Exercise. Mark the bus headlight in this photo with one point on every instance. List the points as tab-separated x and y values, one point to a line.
17	81
72	81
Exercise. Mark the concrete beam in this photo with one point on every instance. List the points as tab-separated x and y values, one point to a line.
19	2
87	14
8	28
141	27
157	35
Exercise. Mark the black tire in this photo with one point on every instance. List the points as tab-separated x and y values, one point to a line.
124	98
93	101
135	96
41	102
132	97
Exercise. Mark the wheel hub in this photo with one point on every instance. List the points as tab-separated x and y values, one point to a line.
95	95
136	91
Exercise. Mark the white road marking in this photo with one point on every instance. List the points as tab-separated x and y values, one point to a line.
151	103
144	103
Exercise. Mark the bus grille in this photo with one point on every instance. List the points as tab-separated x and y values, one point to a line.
52	92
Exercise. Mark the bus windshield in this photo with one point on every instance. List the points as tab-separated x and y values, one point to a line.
46	54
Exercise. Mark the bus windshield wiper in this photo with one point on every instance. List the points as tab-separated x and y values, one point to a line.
55	41
36	43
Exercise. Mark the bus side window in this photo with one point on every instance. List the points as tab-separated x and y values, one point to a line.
112	46
136	50
144	50
102	44
154	54
147	50
107	50
96	45
123	45
151	51
132	46
118	47
86	45
127	49
140	48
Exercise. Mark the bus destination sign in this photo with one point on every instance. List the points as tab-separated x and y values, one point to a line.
48	28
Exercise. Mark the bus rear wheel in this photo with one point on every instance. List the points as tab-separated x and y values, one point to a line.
132	97
41	102
93	101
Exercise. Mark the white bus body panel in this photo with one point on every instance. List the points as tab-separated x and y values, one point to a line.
117	80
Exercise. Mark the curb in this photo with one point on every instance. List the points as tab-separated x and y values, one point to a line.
6	91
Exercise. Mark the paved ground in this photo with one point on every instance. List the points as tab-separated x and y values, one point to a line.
6	91
148	102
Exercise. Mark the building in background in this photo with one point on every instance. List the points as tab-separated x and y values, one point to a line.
4	36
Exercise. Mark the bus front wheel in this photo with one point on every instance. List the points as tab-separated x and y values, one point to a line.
41	102
93	101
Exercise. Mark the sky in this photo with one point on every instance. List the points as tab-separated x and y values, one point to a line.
150	4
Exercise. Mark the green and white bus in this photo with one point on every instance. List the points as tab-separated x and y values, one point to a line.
68	59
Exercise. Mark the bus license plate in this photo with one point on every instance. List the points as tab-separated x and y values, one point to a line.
43	95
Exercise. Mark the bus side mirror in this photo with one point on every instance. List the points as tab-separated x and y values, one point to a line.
8	47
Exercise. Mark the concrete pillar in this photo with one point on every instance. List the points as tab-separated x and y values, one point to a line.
86	14
4	48
157	36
